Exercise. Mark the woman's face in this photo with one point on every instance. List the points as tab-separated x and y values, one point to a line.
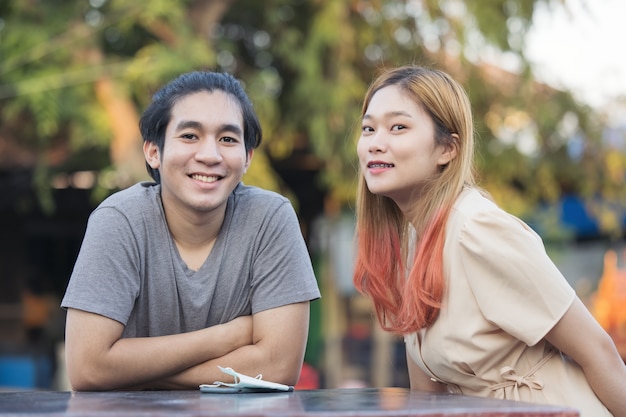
397	150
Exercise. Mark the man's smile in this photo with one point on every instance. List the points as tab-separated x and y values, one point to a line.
206	178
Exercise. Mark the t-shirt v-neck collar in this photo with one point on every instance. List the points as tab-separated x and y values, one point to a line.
214	257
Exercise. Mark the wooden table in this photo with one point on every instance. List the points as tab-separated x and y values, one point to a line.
368	402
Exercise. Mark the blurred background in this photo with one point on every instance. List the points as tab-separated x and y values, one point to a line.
544	77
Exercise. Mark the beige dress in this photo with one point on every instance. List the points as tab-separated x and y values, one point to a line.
503	296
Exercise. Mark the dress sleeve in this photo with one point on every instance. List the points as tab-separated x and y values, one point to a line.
516	285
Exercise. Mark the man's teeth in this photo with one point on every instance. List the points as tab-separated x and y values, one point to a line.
205	178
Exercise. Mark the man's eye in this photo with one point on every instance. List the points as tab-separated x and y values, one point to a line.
229	139
188	136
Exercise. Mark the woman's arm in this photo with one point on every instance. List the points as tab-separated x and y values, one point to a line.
578	335
420	381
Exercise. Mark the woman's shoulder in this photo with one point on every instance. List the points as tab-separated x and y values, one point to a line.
475	210
474	201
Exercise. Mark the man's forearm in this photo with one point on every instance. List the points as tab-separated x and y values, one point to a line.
249	360
100	360
277	352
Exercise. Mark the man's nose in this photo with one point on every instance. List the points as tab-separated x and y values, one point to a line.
209	150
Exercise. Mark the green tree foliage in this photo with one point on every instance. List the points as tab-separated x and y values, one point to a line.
306	65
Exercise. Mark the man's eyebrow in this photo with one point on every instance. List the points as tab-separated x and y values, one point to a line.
226	127
188	124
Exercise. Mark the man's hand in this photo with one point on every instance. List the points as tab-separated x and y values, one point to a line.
98	359
277	352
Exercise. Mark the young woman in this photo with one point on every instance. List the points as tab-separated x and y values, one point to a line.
483	309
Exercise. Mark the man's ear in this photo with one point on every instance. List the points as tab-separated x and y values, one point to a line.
249	156
152	154
449	151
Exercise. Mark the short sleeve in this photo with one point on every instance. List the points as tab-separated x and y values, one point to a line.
105	279
282	270
516	285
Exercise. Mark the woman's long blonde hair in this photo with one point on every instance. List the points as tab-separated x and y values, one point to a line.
407	302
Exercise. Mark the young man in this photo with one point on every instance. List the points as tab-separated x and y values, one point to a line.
196	269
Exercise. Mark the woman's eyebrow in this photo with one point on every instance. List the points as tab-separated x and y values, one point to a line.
389	114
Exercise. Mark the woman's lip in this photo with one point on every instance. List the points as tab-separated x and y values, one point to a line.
379	164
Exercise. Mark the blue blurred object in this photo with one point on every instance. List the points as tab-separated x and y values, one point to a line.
25	372
575	215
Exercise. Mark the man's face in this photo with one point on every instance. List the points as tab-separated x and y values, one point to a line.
204	155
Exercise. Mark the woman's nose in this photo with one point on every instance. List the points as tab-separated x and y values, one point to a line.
377	146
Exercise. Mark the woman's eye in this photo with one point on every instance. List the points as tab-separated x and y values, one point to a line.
398	127
366	129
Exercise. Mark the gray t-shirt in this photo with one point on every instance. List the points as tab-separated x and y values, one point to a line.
129	268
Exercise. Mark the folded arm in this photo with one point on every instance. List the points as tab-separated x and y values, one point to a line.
277	352
271	343
579	336
99	359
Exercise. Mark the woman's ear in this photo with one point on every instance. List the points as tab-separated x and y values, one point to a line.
449	150
152	154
